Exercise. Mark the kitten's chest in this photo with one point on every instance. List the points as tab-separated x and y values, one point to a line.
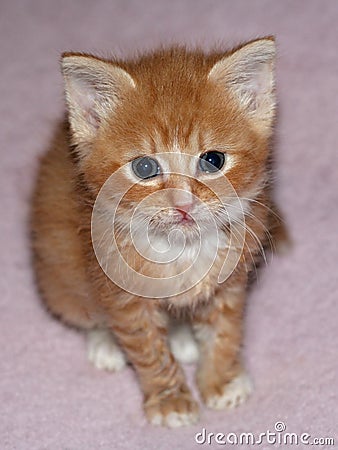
171	266
188	269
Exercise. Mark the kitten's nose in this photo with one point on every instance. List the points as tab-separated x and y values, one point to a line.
184	210
182	200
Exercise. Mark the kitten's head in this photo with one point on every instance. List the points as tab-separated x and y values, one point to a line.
185	131
175	121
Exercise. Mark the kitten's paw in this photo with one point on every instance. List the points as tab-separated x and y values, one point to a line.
183	344
173	411
104	352
233	394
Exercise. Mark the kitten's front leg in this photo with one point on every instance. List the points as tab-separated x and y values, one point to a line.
142	332
221	378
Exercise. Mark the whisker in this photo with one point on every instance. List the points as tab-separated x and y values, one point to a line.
255	237
270	210
256	219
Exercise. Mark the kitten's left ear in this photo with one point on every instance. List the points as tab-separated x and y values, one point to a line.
249	74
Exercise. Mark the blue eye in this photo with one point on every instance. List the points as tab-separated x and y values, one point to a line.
211	161
145	167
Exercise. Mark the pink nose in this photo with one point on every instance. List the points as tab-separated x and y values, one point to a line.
184	208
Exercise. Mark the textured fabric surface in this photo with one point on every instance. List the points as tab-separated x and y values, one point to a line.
50	396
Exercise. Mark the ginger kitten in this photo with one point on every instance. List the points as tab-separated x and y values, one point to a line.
151	207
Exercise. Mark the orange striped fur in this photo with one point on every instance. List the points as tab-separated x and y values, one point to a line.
171	100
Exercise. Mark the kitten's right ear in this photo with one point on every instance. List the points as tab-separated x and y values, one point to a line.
93	89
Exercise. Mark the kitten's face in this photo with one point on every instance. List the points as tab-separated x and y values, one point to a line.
186	132
179	178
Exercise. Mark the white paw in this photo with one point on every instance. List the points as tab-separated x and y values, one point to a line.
234	393
104	352
183	344
175	419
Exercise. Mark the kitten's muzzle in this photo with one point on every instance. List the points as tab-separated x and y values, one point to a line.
183	210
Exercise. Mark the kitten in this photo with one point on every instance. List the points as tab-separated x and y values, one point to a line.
151	206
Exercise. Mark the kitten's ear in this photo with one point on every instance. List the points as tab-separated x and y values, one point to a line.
249	74
93	89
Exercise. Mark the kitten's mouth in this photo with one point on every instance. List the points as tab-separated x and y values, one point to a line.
183	222
176	217
184	218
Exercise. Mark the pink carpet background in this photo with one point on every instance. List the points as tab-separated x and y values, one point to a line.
50	396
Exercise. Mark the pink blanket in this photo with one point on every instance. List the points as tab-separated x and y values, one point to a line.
50	396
